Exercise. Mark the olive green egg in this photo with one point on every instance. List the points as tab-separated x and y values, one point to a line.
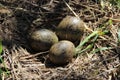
62	52
70	28
42	39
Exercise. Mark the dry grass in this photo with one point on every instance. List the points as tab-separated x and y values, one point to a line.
19	17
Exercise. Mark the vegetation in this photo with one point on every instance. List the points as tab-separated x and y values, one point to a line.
2	71
115	2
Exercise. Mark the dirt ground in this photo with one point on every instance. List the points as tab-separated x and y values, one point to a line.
18	18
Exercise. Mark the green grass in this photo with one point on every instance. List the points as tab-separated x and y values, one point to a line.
115	3
2	62
94	36
1	71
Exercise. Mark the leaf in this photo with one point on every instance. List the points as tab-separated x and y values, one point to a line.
1	47
87	39
101	49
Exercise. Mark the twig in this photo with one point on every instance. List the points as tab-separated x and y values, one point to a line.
115	20
77	16
89	7
31	56
70	8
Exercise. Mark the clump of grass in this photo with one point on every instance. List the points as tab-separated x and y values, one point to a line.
2	62
94	35
115	2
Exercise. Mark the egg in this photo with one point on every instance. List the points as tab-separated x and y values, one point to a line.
42	39
62	52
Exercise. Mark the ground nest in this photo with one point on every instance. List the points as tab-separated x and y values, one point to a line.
18	18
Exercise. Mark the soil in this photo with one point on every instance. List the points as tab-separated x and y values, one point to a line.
19	18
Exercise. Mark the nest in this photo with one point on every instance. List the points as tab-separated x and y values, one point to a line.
18	18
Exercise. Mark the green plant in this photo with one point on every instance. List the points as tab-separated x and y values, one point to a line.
2	62
94	35
115	2
0	59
